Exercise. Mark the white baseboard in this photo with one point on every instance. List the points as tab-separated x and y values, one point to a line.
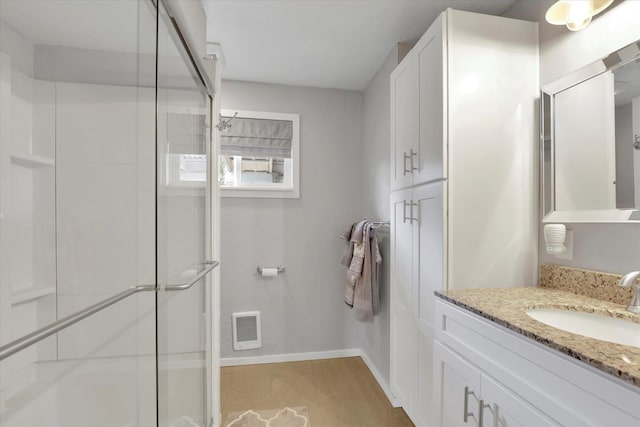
315	355
290	357
383	384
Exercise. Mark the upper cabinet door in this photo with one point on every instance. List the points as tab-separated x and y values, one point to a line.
430	63
404	116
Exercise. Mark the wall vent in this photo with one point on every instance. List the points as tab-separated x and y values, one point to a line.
246	330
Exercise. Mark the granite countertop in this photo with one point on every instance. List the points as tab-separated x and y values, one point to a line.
508	306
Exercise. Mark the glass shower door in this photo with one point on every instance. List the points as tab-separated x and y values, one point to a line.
104	206
183	312
77	212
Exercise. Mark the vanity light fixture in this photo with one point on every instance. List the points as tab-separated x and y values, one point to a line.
575	14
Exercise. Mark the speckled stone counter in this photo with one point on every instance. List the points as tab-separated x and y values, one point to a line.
594	284
508	307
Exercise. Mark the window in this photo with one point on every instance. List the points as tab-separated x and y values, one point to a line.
259	154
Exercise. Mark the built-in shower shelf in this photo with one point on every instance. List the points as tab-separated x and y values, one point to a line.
31	161
30	294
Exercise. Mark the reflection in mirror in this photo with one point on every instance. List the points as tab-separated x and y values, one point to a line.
547	156
584	146
259	154
627	135
590	142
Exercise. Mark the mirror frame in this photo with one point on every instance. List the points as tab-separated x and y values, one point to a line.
548	92
273	192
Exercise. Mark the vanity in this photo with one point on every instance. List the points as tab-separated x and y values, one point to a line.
494	365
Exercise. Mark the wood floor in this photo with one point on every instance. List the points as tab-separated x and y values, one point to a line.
337	392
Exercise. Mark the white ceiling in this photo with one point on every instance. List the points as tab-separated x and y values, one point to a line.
321	43
120	26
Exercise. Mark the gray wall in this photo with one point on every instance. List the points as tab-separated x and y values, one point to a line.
605	247
302	310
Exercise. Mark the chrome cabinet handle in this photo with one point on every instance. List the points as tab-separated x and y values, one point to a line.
636	142
412	154
467	413
404	164
404	211
409	157
481	406
417	207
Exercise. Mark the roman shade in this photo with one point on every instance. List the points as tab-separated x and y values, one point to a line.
249	137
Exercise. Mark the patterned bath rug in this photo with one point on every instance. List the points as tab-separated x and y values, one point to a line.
284	417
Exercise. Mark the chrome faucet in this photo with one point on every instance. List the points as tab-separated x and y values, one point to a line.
631	280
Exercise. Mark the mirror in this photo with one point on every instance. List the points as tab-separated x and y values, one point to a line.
259	154
590	142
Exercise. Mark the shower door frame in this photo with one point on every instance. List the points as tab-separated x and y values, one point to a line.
207	86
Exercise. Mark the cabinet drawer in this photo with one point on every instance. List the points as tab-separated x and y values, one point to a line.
561	388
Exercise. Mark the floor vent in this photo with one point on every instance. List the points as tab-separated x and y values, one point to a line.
246	330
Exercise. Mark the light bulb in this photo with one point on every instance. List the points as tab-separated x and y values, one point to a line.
575	14
579	15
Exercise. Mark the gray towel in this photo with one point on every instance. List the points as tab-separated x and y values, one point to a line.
356	262
367	295
347	254
362	256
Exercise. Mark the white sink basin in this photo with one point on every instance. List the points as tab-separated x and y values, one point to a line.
598	326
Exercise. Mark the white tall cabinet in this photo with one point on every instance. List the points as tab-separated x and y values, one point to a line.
463	169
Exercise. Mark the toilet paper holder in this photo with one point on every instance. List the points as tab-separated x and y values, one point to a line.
280	269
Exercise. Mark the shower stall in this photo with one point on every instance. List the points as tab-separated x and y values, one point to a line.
106	257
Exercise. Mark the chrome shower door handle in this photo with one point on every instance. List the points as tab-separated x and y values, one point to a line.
209	265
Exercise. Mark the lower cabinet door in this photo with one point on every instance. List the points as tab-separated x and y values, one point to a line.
457	389
502	408
404	359
467	397
425	408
